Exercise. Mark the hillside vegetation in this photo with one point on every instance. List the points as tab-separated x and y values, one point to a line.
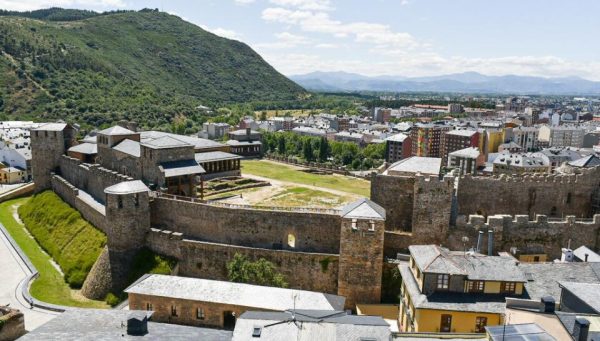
145	66
61	231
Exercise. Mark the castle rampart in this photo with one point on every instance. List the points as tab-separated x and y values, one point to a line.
550	234
550	194
311	232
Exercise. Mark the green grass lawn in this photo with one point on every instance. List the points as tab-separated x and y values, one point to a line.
283	172
307	197
50	286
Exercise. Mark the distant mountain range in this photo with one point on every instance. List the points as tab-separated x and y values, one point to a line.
468	82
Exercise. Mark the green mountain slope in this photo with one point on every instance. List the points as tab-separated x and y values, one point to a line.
146	66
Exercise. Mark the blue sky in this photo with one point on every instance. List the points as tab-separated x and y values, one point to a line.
550	38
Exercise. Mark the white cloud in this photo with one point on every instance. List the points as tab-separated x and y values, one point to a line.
320	22
223	32
30	5
244	2
311	5
284	40
326	46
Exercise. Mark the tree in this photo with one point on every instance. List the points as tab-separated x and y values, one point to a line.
263	115
281	145
323	149
307	150
261	272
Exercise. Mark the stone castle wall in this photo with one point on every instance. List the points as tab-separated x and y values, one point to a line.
313	232
91	178
396	195
549	194
302	270
70	194
431	209
519	231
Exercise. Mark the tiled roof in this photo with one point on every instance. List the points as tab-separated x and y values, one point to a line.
363	209
126	187
85	148
130	147
116	130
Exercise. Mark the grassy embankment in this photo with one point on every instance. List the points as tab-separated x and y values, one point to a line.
50	286
51	225
288	173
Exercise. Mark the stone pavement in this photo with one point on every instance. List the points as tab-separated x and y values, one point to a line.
12	272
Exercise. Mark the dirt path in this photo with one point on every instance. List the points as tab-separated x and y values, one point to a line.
297	184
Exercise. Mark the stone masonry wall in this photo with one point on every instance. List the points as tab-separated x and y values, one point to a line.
12	324
396	195
302	270
313	232
69	194
431	209
91	178
549	194
520	232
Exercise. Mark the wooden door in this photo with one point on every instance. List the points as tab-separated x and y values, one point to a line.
446	323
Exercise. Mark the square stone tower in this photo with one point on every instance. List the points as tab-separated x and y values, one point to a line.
48	143
361	253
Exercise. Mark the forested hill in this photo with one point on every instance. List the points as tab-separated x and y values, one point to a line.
146	66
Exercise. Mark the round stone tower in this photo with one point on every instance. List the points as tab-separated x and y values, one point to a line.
128	211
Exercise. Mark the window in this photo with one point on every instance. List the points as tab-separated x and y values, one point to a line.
480	323
291	240
446	323
568	198
372	224
136	200
174	310
476	286
200	313
256	331
354	227
119	202
442	281
149	306
508	287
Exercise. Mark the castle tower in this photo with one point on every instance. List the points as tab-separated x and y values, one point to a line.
128	211
48	143
361	253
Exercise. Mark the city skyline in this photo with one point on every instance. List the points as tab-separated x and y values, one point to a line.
407	38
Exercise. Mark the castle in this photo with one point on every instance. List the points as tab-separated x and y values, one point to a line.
138	191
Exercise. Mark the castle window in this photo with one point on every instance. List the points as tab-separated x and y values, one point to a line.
442	281
136	200
200	313
119	202
174	310
372	223
354	227
149	306
291	240
568	198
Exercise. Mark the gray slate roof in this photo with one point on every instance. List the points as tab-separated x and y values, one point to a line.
164	142
85	148
107	325
363	209
247	295
130	147
568	321
581	251
116	130
417	164
586	162
127	187
179	168
198	143
215	156
485	303
52	127
543	278
311	325
587	292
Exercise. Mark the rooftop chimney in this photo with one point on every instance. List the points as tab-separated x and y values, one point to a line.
248	131
479	239
581	329
490	242
549	304
567	255
137	323
586	257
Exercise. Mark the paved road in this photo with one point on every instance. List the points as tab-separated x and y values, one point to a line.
12	272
